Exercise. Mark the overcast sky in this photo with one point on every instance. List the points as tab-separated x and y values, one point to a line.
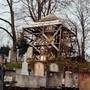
4	13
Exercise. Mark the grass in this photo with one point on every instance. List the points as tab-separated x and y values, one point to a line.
12	66
62	63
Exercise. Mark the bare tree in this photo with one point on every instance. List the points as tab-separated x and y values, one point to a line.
11	23
78	14
38	8
35	9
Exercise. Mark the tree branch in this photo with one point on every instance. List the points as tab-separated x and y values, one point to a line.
6	21
49	7
31	14
6	31
8	3
32	8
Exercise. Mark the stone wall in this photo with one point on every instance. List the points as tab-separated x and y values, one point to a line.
30	81
53	80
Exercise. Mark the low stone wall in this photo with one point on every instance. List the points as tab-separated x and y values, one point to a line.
54	80
30	81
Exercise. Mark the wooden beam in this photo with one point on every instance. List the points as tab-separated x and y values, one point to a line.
54	46
50	42
34	48
57	32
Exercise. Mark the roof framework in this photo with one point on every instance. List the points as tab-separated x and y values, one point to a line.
51	38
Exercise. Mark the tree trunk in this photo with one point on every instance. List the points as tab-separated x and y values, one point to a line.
39	9
14	34
83	50
83	41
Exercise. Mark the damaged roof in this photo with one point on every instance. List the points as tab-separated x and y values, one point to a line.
49	17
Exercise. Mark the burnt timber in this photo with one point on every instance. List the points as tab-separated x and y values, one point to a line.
52	38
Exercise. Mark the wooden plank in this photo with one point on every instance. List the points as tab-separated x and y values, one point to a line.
51	42
46	23
57	31
34	48
54	46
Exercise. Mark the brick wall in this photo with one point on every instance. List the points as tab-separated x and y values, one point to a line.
84	81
